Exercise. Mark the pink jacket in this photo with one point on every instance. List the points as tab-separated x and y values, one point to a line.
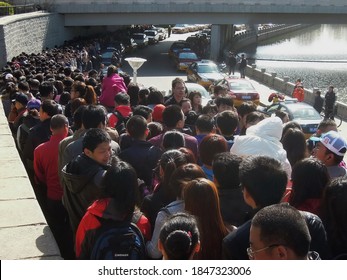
110	87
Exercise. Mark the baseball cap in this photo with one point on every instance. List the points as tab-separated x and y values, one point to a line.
21	98
157	114
334	142
34	104
8	76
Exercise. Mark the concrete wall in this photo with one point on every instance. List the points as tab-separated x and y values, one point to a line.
282	85
33	32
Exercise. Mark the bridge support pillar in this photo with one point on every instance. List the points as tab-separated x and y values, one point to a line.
220	36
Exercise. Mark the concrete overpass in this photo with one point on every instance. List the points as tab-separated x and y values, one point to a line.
126	12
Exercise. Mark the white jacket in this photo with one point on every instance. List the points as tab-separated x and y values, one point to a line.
263	139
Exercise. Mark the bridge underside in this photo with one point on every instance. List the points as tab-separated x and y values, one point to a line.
97	19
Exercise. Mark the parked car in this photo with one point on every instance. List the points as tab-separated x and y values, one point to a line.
141	39
241	90
162	33
180	29
152	35
300	112
204	72
185	58
130	45
110	56
176	47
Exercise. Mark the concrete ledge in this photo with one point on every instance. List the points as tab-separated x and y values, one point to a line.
24	233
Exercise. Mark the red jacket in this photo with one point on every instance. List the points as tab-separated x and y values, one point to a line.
46	166
124	110
102	208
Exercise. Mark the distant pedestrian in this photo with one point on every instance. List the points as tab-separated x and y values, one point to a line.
318	101
169	31
298	91
242	66
330	99
232	62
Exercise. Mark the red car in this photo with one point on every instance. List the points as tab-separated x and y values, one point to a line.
241	90
185	58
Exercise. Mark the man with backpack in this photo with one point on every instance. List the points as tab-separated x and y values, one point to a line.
122	112
111	229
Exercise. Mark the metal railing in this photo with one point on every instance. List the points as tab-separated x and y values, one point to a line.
19	9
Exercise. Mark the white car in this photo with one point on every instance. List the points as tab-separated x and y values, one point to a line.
153	36
140	39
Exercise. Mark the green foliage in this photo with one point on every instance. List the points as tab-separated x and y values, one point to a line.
6	9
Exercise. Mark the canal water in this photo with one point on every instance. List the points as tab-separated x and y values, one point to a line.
317	55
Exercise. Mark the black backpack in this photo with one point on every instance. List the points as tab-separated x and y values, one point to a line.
121	124
118	241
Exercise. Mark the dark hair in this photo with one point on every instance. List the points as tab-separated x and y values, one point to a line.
120	184
143	93
93	116
225	100
205	123
155	128
50	107
176	81
86	92
122	98
65	97
94	137
59	121
46	88
111	69
172	114
23	85
155	97
211	145
76	103
179	235
227	122
246	108
219	88
189	154
290	124
284	225
324	124
136	126
225	168
264	179
143	111
334	215
281	114
183	175
173	139
77	116
310	177
294	142
254	117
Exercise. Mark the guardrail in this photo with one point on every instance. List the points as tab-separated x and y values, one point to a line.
19	9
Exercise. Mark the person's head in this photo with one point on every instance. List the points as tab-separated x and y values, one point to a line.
220	91
225	168
81	90
186	105
143	93
48	109
21	100
211	145
155	97
137	127
253	118
331	88
188	154
157	114
59	125
282	115
263	180
133	91
143	111
224	103
168	162
244	109
178	89
325	126
309	179
155	128
204	124
77	117
97	145
111	69
173	117
227	122
330	149
120	184
173	139
183	175
279	232
207	211
195	98
46	90
334	214
179	237
94	116
291	124
318	93
294	142
122	99
23	86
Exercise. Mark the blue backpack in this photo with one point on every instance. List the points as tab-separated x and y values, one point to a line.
119	241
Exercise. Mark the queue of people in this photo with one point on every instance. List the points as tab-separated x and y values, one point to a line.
186	182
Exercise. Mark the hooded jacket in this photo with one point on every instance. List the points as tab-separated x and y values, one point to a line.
263	139
81	183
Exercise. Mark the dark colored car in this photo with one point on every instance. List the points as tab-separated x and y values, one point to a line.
177	46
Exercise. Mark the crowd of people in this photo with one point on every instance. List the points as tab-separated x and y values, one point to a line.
197	182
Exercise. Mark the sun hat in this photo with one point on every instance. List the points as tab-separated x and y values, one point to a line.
334	142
